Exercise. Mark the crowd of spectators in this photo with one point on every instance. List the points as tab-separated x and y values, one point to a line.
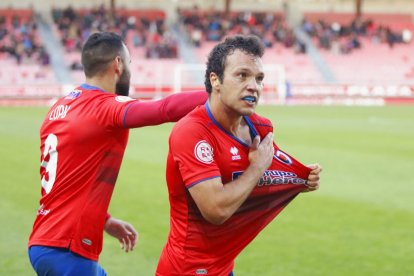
212	25
152	33
343	39
19	38
20	41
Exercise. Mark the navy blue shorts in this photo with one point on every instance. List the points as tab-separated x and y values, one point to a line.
54	261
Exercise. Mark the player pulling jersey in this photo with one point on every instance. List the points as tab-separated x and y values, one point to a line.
201	149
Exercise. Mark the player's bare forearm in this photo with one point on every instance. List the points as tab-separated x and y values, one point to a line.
218	202
169	109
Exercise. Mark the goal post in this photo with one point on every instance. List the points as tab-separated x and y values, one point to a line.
191	77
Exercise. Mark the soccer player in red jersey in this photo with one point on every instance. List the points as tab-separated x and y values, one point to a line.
226	177
83	139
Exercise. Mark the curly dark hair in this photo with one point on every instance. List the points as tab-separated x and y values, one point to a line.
250	44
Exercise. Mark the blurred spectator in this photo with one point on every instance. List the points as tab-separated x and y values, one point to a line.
346	38
406	36
19	39
213	25
76	66
196	36
300	47
44	57
75	26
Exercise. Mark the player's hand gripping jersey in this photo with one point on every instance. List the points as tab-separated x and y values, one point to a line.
201	149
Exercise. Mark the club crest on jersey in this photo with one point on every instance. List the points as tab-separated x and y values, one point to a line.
282	157
203	152
235	153
123	99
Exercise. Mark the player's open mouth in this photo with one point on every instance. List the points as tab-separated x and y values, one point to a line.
249	99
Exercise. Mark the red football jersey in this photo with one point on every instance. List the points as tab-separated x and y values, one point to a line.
83	140
201	149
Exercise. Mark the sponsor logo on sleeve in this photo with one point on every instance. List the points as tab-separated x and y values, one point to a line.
203	152
73	94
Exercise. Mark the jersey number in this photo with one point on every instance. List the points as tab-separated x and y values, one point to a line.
48	166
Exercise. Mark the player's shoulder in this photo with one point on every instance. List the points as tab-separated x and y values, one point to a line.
78	94
105	101
87	92
195	120
101	96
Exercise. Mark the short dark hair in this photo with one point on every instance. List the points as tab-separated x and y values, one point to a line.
250	44
99	50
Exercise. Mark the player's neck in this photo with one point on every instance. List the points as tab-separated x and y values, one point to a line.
103	83
227	119
237	126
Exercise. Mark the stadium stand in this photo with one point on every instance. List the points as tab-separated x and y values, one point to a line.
213	25
372	50
22	55
375	50
144	31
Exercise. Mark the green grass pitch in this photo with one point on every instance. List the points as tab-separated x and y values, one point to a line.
361	221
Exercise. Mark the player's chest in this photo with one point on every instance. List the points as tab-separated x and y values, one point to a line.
231	156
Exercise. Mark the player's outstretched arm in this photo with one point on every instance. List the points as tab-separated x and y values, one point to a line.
123	231
169	109
313	178
218	202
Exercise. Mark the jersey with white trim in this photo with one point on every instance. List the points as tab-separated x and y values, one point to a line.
201	149
82	144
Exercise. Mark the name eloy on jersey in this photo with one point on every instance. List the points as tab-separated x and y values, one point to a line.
59	112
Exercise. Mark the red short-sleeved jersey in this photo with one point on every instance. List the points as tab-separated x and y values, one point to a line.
201	149
82	144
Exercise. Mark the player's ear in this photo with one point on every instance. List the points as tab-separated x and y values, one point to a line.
214	80
119	65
